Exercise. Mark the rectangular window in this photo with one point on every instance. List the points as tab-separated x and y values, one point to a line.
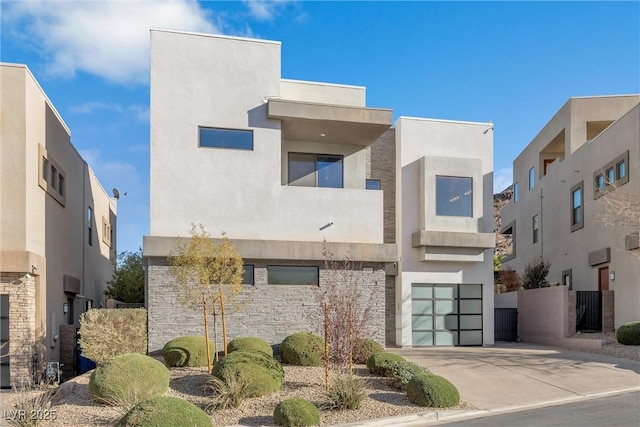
372	184
90	224
454	196
45	168
577	207
54	175
532	178
536	228
621	170
599	182
611	177
516	192
226	138
61	184
316	170
292	275
247	275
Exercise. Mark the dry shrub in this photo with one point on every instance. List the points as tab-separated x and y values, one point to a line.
32	405
227	392
346	391
508	281
105	333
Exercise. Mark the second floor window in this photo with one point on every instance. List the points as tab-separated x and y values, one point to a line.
316	170
577	214
536	228
516	192
454	196
226	138
532	178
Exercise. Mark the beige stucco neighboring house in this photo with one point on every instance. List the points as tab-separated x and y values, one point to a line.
280	165
57	230
587	154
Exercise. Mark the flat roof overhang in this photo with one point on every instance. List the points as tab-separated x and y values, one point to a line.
325	123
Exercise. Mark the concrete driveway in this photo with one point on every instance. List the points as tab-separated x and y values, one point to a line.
510	376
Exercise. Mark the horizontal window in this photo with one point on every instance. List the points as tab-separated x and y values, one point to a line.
454	196
292	275
373	184
316	170
226	138
51	176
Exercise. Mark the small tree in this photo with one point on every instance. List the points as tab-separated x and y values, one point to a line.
208	277
348	310
535	275
128	280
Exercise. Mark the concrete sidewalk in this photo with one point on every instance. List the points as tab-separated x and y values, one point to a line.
509	377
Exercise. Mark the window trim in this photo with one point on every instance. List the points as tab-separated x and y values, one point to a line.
201	128
51	177
511	226
579	224
618	181
569	274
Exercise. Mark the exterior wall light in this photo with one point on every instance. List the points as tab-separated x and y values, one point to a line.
65	307
612	276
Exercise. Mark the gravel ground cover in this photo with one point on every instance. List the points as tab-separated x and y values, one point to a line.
77	408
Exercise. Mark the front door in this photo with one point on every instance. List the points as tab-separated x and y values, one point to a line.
603	279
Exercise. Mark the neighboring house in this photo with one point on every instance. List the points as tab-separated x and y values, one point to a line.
57	230
280	165
588	151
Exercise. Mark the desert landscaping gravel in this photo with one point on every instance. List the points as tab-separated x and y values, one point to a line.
77	408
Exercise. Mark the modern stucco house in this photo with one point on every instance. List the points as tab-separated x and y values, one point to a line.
281	165
588	152
57	230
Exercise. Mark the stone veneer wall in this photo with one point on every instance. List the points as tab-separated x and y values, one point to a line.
22	323
381	164
390	311
271	312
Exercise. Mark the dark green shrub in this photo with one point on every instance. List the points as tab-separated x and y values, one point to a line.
346	392
105	333
296	413
535	275
629	333
261	372
432	391
128	379
402	372
165	411
379	362
187	351
249	343
364	349
302	349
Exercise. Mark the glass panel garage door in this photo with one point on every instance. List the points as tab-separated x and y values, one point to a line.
446	315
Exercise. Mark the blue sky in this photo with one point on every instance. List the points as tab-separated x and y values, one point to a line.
514	63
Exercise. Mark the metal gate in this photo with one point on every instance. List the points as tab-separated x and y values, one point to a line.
506	324
588	311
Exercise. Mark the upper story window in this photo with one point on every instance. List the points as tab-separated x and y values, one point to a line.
316	170
107	232
90	225
577	214
535	226
454	196
226	138
532	178
516	192
611	176
51	177
372	184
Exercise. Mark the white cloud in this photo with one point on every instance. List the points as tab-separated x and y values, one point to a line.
109	39
265	10
502	178
91	106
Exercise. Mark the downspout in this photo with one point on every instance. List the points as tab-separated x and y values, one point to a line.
541	228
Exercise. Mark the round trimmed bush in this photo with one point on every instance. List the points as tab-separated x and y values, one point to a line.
165	411
129	376
402	372
302	349
249	343
629	333
364	349
432	391
378	363
189	350
296	412
262	373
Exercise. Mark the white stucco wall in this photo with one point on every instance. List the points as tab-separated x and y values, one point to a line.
472	143
324	93
218	81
